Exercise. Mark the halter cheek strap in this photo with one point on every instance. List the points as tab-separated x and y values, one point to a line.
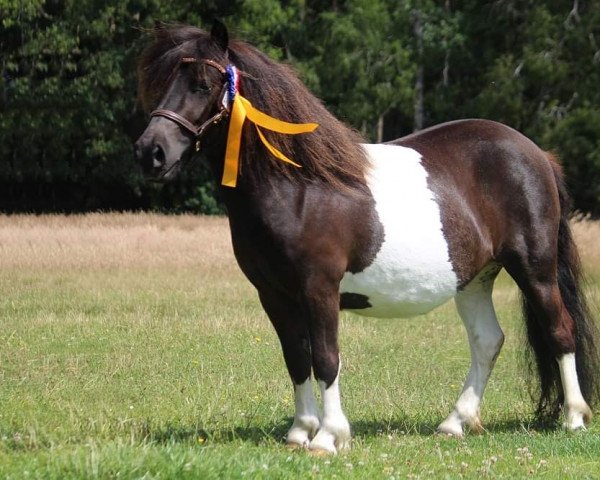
196	131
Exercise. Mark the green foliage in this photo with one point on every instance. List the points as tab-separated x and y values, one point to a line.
577	139
68	103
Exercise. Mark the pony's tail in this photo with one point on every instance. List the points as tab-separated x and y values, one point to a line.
570	281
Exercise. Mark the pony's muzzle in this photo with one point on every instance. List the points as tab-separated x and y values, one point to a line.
160	149
150	156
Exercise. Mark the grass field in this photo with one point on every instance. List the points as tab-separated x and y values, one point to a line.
132	347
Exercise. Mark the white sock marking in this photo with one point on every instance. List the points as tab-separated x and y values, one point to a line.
334	433
577	410
306	418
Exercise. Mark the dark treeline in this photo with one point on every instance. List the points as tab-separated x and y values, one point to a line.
68	110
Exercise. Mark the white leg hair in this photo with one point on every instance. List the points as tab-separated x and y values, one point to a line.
577	411
476	310
306	418
334	434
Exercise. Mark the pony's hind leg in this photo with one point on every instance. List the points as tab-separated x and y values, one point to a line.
552	332
292	331
542	258
474	304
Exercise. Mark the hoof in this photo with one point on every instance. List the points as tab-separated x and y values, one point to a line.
476	427
578	429
295	446
449	429
343	446
575	425
456	435
320	452
577	418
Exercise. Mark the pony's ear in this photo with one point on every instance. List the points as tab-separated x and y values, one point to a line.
219	34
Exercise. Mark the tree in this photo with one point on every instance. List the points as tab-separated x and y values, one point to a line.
68	103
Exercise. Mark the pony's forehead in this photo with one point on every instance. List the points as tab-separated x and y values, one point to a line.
204	45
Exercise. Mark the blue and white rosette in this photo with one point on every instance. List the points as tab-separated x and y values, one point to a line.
233	84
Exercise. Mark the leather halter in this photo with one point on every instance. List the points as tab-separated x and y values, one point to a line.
194	130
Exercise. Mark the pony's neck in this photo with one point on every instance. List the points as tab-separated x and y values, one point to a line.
251	193
254	194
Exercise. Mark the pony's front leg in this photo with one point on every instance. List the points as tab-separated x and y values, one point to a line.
323	311
292	329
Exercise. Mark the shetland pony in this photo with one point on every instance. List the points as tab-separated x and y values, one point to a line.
392	229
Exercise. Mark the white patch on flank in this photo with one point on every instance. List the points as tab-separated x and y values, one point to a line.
306	418
411	273
577	411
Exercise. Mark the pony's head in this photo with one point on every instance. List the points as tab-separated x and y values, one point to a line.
183	82
186	80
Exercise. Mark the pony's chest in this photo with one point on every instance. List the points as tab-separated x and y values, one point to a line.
411	273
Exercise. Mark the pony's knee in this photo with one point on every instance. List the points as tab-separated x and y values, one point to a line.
326	366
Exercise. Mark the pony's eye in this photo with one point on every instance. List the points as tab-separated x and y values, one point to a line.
201	87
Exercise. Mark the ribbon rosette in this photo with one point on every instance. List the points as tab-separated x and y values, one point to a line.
242	109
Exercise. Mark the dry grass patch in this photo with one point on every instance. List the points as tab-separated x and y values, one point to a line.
110	241
146	240
587	237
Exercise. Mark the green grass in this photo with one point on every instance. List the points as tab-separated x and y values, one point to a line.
146	373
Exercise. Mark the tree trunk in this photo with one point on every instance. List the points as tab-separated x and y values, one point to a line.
380	129
446	71
419	109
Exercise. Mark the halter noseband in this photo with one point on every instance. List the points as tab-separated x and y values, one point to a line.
197	131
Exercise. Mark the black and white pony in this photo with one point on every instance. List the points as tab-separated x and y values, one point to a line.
390	230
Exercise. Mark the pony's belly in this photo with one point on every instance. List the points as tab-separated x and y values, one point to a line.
396	290
412	273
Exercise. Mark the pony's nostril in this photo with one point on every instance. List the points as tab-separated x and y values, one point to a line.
158	156
137	152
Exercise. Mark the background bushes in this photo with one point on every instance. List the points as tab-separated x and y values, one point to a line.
68	111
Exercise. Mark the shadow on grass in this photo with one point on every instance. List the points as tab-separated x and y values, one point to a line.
364	429
274	432
408	426
257	434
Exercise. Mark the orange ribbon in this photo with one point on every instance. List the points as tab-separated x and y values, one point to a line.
241	110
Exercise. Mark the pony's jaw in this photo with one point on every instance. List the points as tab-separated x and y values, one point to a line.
161	149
